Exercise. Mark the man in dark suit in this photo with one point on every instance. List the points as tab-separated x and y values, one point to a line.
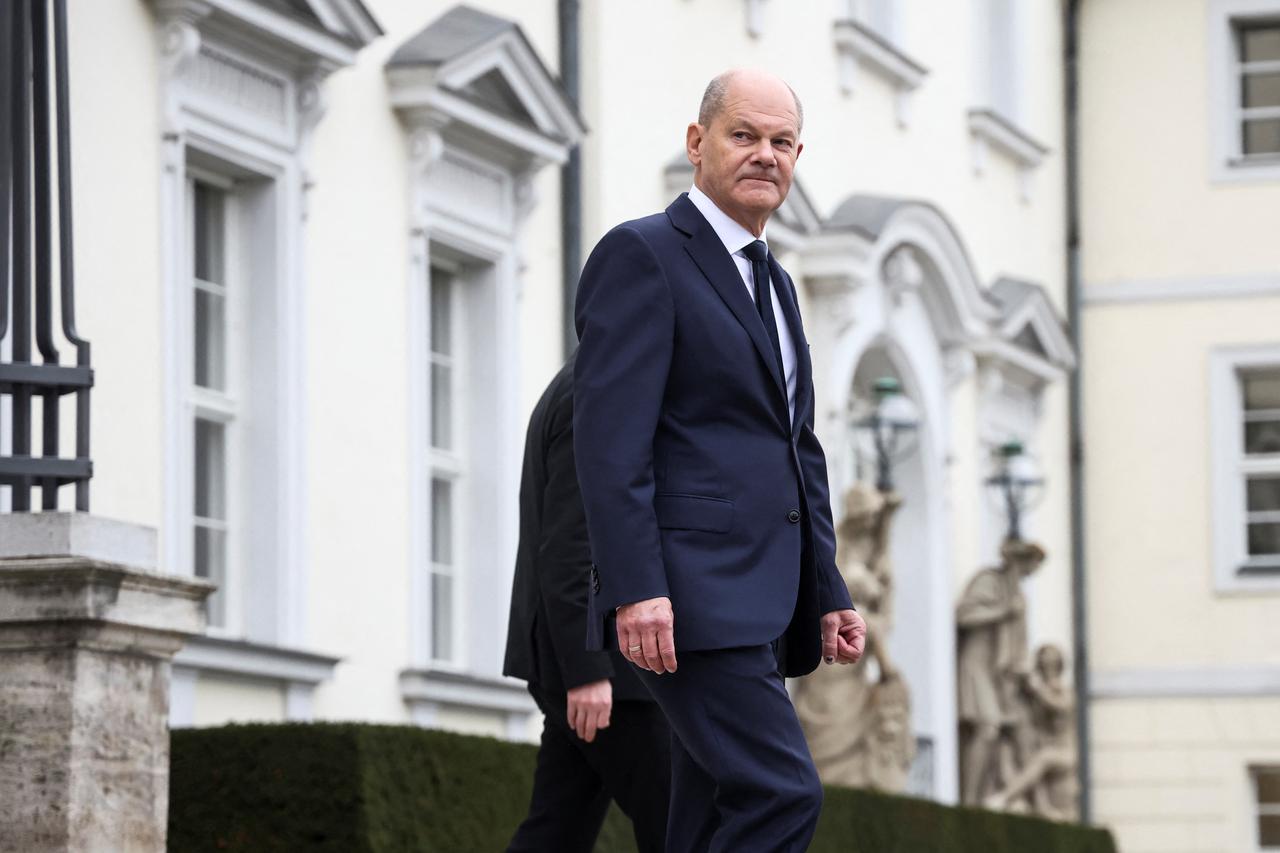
704	484
603	738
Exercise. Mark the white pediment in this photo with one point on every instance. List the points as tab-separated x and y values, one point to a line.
477	74
1031	323
301	35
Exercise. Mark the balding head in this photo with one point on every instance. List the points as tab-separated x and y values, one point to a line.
716	95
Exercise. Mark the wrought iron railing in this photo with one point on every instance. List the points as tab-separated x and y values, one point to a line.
35	187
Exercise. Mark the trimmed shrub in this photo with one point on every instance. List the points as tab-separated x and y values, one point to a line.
362	788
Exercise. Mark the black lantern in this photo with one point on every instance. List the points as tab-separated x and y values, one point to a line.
890	431
1016	486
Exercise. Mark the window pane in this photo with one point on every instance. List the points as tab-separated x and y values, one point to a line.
442	406
1262	436
1269	831
441	617
1262	90
211	564
1264	539
441	311
1262	136
211	470
211	340
1264	496
1261	390
1260	44
210	251
1268	782
441	522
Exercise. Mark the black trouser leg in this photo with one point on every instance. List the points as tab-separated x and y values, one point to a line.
569	801
574	780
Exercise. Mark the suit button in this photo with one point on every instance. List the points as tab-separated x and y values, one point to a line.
794	516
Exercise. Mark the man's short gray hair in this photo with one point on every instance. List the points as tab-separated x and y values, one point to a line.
718	89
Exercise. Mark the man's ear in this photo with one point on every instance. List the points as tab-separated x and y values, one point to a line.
693	137
799	149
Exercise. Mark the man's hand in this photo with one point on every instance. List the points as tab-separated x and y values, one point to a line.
589	707
646	636
844	636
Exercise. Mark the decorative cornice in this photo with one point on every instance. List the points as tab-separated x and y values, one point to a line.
988	129
1183	289
860	46
257	660
454	688
1189	682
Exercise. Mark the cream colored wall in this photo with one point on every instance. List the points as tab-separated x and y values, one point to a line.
1151	210
115	157
1173	774
1151	596
225	699
470	721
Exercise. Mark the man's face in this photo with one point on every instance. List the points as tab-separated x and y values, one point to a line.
745	159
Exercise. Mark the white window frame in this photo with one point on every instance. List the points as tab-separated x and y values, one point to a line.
267	170
1230	467
1227	164
1259	809
226	407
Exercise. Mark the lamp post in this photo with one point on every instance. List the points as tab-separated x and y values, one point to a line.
1016	486
889	431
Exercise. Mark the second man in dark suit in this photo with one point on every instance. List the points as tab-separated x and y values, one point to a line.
603	737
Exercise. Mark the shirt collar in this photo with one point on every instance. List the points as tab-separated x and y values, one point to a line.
733	235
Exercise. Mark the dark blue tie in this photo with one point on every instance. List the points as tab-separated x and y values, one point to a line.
758	253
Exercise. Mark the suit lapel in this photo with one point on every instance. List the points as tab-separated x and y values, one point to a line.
709	254
804	366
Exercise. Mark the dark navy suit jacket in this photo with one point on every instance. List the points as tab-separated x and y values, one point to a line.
698	485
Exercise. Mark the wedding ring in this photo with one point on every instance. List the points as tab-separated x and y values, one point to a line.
634	648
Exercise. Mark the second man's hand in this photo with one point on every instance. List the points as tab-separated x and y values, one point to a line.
646	635
589	708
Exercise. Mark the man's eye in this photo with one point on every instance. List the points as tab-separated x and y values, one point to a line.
739	134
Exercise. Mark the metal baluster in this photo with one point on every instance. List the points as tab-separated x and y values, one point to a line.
20	127
67	265
44	240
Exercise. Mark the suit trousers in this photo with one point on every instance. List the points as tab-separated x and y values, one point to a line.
574	781
742	778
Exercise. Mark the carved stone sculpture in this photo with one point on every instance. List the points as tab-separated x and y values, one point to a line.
858	721
1045	784
992	654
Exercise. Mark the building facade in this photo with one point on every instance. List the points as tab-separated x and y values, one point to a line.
1180	148
321	261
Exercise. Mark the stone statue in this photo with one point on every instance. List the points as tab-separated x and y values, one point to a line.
858	723
992	655
1046	783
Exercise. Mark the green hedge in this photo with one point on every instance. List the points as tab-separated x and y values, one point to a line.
374	789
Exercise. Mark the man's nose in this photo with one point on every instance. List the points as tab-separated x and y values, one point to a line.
763	153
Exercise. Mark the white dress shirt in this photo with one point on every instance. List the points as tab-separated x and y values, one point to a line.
735	238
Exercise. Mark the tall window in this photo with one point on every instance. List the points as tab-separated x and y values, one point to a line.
446	461
1258	58
1260	393
212	390
1266	794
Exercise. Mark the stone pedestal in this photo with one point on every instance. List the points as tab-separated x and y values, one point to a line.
87	630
